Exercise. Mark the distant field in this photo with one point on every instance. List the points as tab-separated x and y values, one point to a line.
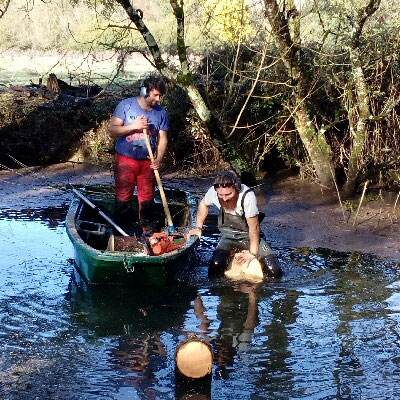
17	68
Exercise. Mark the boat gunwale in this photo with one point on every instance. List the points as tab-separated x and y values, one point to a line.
108	255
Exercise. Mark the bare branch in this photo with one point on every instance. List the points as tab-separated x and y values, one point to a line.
5	8
136	16
251	90
362	16
388	107
126	27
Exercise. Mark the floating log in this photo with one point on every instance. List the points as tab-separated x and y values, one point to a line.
249	271
194	358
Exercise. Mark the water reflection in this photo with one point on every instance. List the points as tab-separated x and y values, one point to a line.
110	311
140	323
246	324
237	314
329	329
51	216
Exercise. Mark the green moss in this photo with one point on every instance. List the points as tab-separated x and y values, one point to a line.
184	79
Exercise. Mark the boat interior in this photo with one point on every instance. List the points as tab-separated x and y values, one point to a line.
96	231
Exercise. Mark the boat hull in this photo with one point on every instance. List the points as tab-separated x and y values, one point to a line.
106	267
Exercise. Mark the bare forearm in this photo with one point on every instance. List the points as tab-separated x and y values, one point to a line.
162	147
119	130
202	213
254	243
254	236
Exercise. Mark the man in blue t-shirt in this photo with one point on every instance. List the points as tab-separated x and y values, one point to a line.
132	163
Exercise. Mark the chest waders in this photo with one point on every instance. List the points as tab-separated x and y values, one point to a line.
235	236
232	227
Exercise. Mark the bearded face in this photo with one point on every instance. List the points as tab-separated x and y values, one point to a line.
153	98
227	197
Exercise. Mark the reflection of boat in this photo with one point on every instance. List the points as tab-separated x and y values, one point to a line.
90	234
116	310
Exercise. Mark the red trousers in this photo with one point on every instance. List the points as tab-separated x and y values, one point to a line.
129	173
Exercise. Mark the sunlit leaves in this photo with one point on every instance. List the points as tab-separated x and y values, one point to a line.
230	18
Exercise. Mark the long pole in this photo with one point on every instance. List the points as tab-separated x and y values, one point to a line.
159	183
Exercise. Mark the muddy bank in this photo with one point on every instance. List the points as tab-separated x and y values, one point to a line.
298	214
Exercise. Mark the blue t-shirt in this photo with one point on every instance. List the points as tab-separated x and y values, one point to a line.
134	145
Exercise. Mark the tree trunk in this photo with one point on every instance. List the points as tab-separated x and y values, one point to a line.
314	141
315	144
359	108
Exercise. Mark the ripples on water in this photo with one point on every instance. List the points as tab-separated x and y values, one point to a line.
329	329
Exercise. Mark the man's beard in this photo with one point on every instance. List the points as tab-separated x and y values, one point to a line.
151	103
229	205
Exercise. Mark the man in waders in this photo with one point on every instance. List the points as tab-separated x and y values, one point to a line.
238	222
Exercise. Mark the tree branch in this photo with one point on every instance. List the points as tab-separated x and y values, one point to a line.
136	16
362	16
4	10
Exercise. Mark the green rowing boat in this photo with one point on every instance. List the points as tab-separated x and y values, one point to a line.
90	234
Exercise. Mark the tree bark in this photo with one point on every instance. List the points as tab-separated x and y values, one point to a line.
314	141
359	106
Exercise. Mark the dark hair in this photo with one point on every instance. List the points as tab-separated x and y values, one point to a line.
154	82
228	177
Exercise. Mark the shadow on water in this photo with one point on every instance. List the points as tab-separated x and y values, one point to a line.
328	329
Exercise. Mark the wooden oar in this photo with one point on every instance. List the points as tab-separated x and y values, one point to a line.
171	227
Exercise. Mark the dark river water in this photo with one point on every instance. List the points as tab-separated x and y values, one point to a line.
328	329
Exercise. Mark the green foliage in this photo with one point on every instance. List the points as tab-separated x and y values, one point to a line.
230	18
352	204
212	29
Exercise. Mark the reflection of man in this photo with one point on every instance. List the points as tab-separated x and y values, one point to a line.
238	222
140	356
132	164
237	322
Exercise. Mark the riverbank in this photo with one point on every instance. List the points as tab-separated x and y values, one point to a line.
22	67
298	213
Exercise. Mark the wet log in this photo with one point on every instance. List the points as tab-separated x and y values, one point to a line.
194	358
250	271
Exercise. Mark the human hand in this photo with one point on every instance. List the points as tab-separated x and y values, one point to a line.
196	232
140	123
156	164
244	256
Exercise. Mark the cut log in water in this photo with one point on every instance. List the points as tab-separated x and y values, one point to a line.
194	358
249	271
